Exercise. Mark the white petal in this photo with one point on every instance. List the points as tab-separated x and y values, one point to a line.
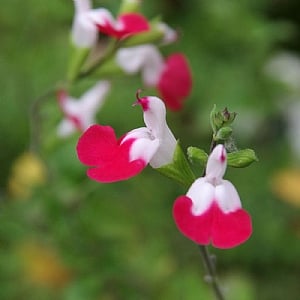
82	5
84	32
202	195
102	16
165	152
170	35
155	120
144	146
95	97
145	58
65	128
227	197
216	164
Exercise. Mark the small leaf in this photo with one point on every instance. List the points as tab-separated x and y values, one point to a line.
179	169
197	156
241	158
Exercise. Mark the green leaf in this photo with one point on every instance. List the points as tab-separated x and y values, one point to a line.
241	158
179	170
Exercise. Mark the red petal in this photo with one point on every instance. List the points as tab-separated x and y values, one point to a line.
224	230
132	24
196	228
175	82
232	229
99	147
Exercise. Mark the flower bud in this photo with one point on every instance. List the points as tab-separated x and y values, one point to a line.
223	134
241	158
197	156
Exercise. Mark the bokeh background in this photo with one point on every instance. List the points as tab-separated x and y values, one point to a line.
73	239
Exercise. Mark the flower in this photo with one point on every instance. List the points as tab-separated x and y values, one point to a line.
88	22
80	114
171	77
211	210
124	26
119	159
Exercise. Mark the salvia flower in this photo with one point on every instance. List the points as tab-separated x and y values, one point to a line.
115	159
80	113
88	22
171	77
211	211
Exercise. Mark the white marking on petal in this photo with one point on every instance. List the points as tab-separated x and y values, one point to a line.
202	194
227	197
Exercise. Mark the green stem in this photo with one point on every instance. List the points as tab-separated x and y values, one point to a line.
211	276
35	118
111	49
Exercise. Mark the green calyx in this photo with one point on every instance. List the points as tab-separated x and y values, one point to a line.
179	169
242	158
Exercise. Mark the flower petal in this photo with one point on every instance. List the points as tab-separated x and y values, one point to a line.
223	230
126	25
175	82
99	147
144	58
230	229
216	164
196	228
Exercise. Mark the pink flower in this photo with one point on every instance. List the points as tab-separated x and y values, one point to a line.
211	210
88	22
115	159
80	114
171	77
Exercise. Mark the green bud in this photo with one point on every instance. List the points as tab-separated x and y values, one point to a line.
241	158
228	117
197	156
179	169
216	119
223	134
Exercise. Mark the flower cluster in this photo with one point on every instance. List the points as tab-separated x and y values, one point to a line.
211	210
130	43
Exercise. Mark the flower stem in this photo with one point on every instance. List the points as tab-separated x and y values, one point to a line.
35	118
211	276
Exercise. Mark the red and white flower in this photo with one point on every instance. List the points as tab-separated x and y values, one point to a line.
88	22
114	159
80	113
211	211
171	77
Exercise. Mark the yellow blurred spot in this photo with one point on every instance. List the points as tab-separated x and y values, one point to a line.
286	185
27	172
42	266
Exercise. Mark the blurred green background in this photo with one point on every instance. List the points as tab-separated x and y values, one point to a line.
72	238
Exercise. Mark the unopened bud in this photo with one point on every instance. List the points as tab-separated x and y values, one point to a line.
241	158
223	134
197	156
